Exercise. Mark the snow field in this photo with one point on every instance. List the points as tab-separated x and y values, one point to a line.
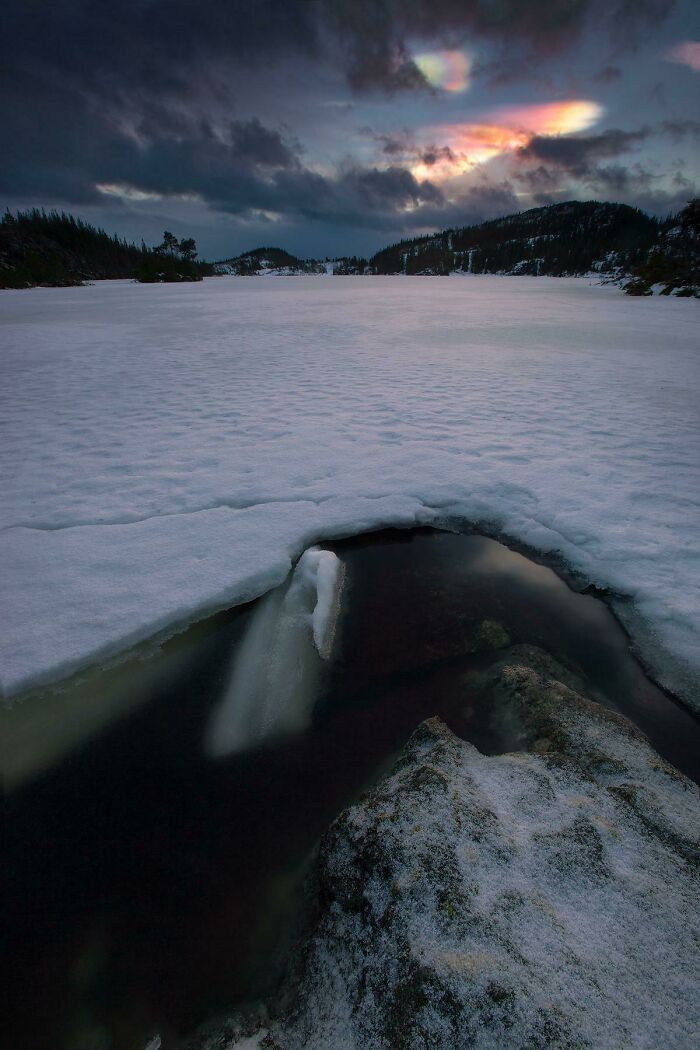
170	450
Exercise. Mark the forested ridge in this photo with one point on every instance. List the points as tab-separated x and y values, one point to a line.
569	239
52	248
560	239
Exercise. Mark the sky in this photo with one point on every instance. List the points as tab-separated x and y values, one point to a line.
332	127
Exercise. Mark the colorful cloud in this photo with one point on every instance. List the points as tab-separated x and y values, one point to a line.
448	70
552	118
686	53
463	146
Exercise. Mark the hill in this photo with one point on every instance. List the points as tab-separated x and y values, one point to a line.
570	239
673	264
55	249
560	239
267	261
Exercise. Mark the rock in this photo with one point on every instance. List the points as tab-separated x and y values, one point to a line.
541	898
637	287
490	636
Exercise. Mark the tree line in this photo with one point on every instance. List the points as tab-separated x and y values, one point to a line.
56	249
558	240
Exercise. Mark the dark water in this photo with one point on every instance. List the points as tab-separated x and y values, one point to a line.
148	887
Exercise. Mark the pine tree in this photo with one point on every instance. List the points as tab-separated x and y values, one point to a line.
170	245
188	249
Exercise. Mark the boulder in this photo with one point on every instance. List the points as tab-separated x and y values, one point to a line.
547	897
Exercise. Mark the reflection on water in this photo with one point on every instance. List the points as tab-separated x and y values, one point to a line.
150	885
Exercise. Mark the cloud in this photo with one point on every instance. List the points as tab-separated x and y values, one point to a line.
680	129
377	34
66	159
482	200
169	48
660	194
686	54
608	75
506	130
577	154
449	70
561	164
545	163
394	188
118	105
255	144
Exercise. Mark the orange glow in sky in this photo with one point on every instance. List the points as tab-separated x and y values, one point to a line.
508	129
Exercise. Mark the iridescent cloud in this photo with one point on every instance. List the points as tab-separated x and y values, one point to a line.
448	70
687	54
552	118
508	129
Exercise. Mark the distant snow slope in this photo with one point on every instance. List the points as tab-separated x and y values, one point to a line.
168	449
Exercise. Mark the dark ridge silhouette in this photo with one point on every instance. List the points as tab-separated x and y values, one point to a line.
58	250
559	240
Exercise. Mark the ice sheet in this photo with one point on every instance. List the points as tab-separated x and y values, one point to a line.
168	450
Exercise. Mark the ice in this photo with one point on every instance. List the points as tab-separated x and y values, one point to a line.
276	671
171	450
325	574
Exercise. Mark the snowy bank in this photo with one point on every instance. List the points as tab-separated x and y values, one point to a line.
171	450
546	897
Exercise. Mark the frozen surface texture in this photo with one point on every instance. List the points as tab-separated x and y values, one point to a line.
545	898
168	450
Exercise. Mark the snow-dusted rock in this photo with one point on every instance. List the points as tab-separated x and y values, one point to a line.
542	898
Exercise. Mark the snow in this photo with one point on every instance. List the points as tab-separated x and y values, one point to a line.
543	897
264	270
171	449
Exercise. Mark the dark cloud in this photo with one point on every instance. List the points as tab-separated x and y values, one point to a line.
607	75
620	181
546	164
154	47
634	185
482	200
681	129
167	47
240	167
67	159
541	182
664	202
253	143
393	145
433	154
377	198
177	99
404	145
576	154
394	188
601	179
376	33
629	21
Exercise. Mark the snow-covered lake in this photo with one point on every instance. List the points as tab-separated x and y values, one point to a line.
168	450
